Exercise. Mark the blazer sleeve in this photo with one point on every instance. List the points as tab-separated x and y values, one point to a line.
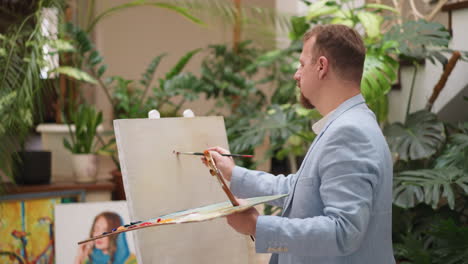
348	171
250	183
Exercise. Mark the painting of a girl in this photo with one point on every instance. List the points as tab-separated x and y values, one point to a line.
107	250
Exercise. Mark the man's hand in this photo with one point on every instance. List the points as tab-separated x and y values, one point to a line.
244	222
224	164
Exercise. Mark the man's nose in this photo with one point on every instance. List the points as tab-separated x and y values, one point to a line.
297	76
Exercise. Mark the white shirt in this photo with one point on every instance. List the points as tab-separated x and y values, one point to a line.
318	126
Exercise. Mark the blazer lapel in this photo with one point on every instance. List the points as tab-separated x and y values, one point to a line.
345	106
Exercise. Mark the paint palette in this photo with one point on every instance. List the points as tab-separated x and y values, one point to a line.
199	214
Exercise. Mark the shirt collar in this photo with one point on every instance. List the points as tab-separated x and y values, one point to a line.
318	126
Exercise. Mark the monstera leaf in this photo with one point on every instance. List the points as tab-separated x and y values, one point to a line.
456	153
380	71
416	37
280	123
429	186
419	138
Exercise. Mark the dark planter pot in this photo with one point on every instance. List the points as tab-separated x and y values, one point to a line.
33	167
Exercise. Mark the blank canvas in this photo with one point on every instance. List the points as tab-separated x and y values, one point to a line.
158	182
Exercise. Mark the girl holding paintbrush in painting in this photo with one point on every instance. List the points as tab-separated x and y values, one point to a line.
113	249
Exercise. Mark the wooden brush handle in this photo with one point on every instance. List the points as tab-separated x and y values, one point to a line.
226	189
219	176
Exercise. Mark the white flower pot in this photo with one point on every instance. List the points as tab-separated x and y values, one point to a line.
85	167
52	136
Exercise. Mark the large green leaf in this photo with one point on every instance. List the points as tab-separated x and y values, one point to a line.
379	106
429	186
455	154
380	72
86	121
344	17
417	38
380	7
60	45
299	27
280	123
371	23
321	8
419	138
75	73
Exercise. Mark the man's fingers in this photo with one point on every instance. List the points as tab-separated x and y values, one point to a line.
216	156
203	160
219	150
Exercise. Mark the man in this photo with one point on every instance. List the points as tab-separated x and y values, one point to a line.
339	205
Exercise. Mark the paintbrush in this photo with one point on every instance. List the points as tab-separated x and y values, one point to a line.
201	154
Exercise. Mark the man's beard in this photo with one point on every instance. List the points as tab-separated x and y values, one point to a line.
306	103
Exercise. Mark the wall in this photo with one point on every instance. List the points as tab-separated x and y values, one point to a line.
128	40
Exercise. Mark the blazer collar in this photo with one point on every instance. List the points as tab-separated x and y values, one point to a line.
345	106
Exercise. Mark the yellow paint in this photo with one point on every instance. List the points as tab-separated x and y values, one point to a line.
10	213
165	221
38	237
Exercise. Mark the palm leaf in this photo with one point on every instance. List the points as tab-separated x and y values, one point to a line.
172	7
420	137
181	64
22	87
148	75
253	18
428	186
75	73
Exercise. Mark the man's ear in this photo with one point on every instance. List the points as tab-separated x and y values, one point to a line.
322	67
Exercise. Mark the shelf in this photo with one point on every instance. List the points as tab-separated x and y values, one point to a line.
455	6
55	187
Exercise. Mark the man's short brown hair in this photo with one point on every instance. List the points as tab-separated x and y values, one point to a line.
342	46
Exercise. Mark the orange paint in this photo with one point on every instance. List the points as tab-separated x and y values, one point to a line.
165	220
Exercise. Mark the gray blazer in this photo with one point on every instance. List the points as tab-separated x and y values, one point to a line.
339	208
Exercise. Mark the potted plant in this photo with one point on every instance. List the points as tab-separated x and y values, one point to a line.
82	143
25	81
